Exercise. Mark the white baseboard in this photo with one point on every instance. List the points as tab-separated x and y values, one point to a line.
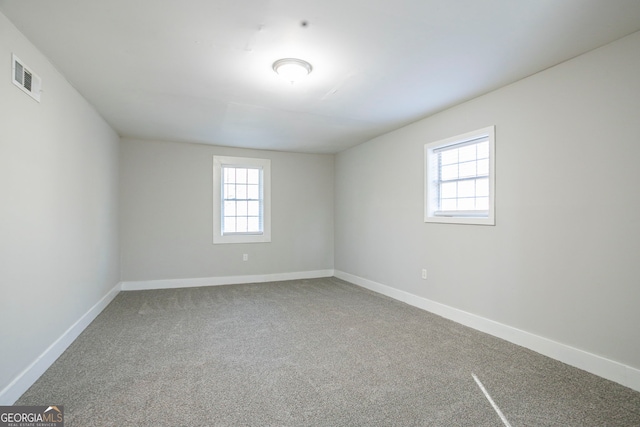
218	281
26	378
606	368
609	369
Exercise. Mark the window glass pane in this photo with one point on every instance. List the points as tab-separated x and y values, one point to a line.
448	205
241	191
241	224
253	225
449	157
449	172
241	208
482	187
229	225
467	169
253	192
483	167
482	203
449	190
467	153
253	208
467	204
230	175
229	191
253	176
467	188
483	150
229	208
241	175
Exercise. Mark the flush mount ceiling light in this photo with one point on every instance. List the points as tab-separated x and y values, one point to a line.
292	69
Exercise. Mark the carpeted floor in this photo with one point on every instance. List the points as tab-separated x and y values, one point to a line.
318	352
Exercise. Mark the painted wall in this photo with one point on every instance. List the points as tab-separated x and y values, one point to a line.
166	214
563	260
58	208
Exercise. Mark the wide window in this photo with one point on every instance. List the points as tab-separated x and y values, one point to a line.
459	179
241	200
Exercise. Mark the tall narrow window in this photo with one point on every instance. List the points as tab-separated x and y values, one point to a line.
459	179
242	203
241	200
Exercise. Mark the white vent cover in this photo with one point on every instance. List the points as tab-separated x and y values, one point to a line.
25	79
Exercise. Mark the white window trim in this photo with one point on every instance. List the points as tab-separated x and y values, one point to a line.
218	236
430	191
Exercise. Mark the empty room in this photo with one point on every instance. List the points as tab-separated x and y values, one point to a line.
320	213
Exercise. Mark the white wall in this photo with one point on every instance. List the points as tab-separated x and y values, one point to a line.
58	209
166	214
563	261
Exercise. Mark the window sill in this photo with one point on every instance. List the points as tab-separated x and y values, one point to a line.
242	238
460	220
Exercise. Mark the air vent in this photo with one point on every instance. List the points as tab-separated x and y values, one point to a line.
25	79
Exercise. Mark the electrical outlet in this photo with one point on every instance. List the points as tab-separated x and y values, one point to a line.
424	273
245	257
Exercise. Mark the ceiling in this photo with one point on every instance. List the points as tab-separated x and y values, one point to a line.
200	70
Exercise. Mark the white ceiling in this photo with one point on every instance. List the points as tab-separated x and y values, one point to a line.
200	70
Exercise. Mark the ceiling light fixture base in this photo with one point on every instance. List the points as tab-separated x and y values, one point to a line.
292	69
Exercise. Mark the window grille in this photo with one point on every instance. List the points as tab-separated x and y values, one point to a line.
463	179
242	203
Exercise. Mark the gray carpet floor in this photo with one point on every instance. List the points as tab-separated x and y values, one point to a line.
318	352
